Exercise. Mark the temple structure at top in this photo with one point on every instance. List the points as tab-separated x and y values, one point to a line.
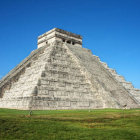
60	35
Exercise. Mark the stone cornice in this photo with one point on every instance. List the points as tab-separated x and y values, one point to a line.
61	31
61	37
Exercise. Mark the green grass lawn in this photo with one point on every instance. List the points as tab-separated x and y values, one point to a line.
105	124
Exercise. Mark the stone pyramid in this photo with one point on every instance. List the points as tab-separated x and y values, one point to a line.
60	74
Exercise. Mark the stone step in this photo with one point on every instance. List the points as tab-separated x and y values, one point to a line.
104	64
127	85
119	78
135	93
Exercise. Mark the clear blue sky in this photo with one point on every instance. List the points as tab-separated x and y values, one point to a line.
110	28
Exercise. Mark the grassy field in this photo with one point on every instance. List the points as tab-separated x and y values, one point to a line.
106	124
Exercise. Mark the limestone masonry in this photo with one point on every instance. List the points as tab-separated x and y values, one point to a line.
60	74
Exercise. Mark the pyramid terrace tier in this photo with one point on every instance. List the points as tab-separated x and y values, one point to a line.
60	35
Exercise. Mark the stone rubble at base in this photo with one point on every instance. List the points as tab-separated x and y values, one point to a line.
60	74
